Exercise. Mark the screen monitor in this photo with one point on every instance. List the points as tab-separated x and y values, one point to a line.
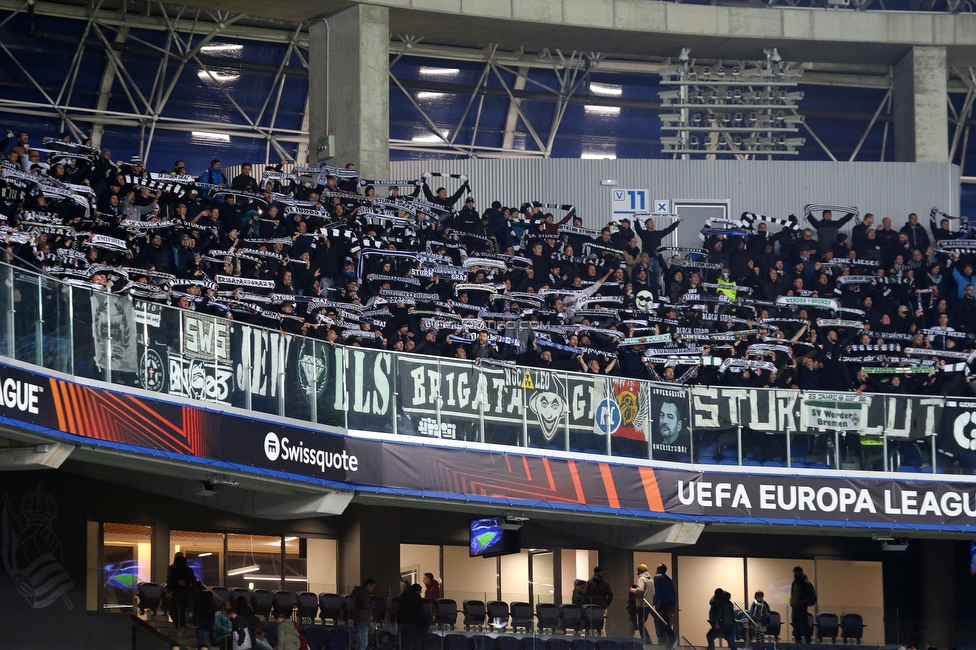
489	538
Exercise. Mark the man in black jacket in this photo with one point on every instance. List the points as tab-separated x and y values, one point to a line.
802	596
650	241
721	618
412	618
827	228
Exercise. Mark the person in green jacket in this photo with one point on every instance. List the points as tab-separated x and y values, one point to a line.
288	638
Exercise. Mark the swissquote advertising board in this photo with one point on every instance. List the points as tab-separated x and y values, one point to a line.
71	410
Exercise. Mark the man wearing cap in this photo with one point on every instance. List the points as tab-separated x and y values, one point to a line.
598	591
468	219
643	593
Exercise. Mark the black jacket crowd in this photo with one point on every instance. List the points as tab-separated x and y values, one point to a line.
815	305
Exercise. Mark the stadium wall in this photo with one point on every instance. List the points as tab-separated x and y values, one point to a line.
776	188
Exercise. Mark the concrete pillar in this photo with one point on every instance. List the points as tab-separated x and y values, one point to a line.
618	570
921	118
937	590
370	548
161	559
349	87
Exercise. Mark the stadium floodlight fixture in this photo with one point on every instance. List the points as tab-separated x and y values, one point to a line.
671	117
685	55
606	90
720	71
773	54
601	110
669	95
794	142
434	71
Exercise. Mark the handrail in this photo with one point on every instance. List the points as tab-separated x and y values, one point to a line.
209	359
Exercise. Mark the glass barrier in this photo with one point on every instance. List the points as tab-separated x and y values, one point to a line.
133	342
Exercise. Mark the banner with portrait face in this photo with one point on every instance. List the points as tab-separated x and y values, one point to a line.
670	432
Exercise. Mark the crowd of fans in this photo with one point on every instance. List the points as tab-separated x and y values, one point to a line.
766	302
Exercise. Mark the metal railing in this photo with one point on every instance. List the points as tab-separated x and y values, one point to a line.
136	343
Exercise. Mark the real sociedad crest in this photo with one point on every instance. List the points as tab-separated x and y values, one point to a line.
31	550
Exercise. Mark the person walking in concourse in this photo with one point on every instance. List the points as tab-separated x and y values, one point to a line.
802	595
665	599
598	591
412	618
179	582
721	619
360	614
643	594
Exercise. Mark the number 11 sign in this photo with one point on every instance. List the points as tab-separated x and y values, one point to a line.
624	203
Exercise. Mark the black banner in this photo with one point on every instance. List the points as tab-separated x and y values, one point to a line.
66	409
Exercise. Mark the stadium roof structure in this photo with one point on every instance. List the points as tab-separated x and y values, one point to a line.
498	78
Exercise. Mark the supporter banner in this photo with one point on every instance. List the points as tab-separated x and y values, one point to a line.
633	402
259	360
791	411
957	435
198	379
148	312
253	441
670	433
500	394
206	337
113	327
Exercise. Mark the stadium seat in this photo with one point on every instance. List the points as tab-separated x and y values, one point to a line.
308	606
593	616
457	642
221	594
317	637
446	614
394	610
431	642
386	640
283	601
522	617
775	626
338	638
506	643
237	592
852	627
533	643
558	643
607	644
570	618
827	626
377	606
584	644
548	615
475	613
629	645
330	606
261	600
150	597
498	614
482	642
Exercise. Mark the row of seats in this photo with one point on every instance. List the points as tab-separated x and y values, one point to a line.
830	626
322	637
825	625
477	615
